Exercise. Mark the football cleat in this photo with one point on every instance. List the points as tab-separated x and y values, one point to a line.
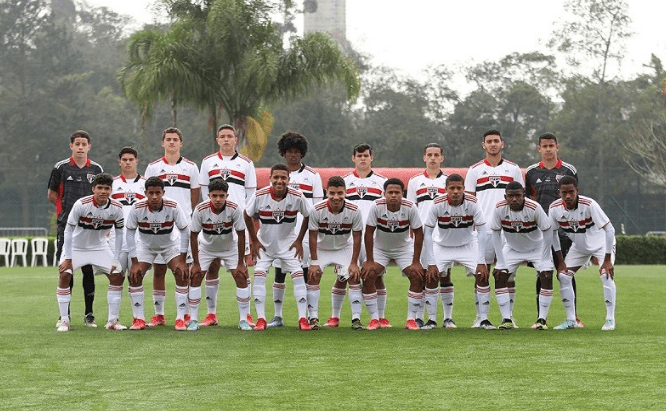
540	324
193	325
449	323
535	325
261	324
332	322
513	322
115	325
138	324
476	323
356	324
567	325
275	322
374	325
303	324
180	324
187	318
579	323
609	325
62	325
209	321
59	322
412	325
89	320
429	325
314	324
419	322
507	324
487	325
250	320
244	326
157	320
384	323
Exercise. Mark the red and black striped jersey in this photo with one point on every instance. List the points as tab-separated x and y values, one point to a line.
179	179
363	191
335	229
454	225
392	227
583	224
92	222
522	228
217	228
488	183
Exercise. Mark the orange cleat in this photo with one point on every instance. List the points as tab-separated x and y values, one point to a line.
384	323
138	324
181	325
261	325
157	320
374	325
250	321
303	324
210	320
580	323
411	325
332	322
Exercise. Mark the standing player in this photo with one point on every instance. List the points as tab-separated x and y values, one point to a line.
70	180
155	218
277	207
541	184
217	219
293	147
422	189
332	223
522	222
181	184
364	186
391	218
487	180
449	238
89	221
239	173
592	235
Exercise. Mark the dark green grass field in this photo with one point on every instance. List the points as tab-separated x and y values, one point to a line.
224	368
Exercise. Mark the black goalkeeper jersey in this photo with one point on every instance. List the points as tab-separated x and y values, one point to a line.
542	184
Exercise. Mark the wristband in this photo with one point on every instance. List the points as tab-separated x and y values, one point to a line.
314	262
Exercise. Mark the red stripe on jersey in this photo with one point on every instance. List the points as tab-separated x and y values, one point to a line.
484	180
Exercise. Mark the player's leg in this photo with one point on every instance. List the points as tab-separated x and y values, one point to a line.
545	298
502	295
415	297
313	293
565	243
194	295
609	292
64	297
159	294
573	261
446	291
278	295
338	293
114	298
242	297
212	287
261	267
369	290
88	281
290	263
431	295
181	292
135	290
381	299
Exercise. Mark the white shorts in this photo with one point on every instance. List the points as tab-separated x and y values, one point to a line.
403	256
125	261
490	250
577	258
514	259
335	257
286	259
305	261
100	260
146	255
228	259
467	255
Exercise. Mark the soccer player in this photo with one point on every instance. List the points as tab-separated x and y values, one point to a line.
154	218
422	189
181	184
239	173
89	221
541	184
487	180
277	206
592	235
332	223
71	179
391	218
449	238
527	232
364	186
293	147
216	219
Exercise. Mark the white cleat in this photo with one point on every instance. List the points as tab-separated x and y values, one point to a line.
567	325
115	325
608	326
62	325
476	323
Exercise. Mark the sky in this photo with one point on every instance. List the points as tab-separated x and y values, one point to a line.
433	32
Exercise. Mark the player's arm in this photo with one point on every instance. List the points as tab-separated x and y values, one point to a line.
470	182
481	268
432	273
66	265
118	242
298	244
54	183
241	268
255	244
561	267
607	266
369	241
194	245
499	252
195	193
52	196
530	189
354	271
315	269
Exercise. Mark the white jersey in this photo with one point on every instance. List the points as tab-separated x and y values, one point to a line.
392	227
583	225
155	228
335	230
488	183
523	228
307	181
217	230
364	191
422	190
237	170
454	225
179	180
277	218
92	223
127	193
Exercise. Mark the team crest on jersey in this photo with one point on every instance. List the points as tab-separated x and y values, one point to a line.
171	178
96	222
225	173
155	227
90	177
574	225
456	220
130	197
218	227
517	225
558	177
494	180
362	191
278	216
334	227
393	224
432	191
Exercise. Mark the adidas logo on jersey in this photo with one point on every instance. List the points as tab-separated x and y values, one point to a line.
69	178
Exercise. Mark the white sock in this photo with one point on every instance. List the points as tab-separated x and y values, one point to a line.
64	296
300	293
212	286
193	300
483	293
609	296
355	299
114	296
278	298
313	299
371	304
476	303
430	300
414	301
136	298
243	300
158	301
512	299
545	298
381	302
504	302
337	298
181	302
259	293
567	293
447	295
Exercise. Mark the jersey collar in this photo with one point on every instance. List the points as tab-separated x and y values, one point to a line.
485	160
328	205
167	161
137	178
212	208
105	206
219	154
72	162
428	175
368	176
557	165
270	190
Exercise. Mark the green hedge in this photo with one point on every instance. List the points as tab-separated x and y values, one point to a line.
641	249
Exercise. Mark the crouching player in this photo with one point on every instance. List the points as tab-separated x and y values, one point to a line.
154	218
90	220
332	222
528	238
592	235
449	239
217	218
391	218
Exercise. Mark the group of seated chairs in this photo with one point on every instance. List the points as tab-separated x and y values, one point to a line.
15	250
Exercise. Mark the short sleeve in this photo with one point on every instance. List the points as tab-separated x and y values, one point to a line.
414	219
239	221
54	180
372	216
195	225
470	181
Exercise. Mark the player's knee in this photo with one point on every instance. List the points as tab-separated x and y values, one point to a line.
546	278
116	278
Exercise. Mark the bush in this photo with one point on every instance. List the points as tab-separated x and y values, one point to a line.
641	249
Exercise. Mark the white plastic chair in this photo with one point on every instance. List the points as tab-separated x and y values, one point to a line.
39	246
55	252
5	249
19	249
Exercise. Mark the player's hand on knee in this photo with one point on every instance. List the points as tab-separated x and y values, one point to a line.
315	273
241	272
354	272
66	267
432	274
297	246
482	272
607	268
